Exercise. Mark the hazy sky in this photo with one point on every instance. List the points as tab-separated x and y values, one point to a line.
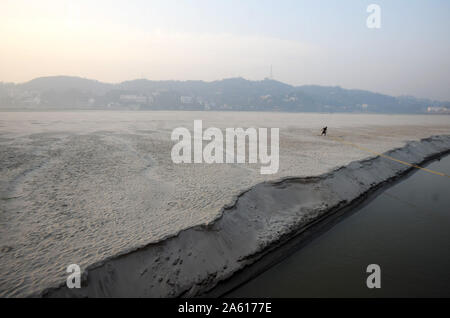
307	42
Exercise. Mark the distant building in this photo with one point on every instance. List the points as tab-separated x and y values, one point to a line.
186	99
200	100
438	110
32	101
139	99
290	99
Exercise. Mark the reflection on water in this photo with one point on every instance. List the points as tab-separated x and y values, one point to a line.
406	230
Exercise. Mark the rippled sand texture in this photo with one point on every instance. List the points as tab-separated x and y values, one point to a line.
78	187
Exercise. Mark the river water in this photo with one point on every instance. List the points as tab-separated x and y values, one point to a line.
405	229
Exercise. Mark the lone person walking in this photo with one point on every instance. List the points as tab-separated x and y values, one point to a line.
324	131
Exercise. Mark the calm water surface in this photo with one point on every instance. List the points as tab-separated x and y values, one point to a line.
405	230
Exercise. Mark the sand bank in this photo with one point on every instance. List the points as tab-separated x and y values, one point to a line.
82	187
261	218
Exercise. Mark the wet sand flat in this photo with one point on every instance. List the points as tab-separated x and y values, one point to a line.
78	187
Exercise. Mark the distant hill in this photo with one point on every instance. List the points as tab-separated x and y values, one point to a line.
63	83
238	94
